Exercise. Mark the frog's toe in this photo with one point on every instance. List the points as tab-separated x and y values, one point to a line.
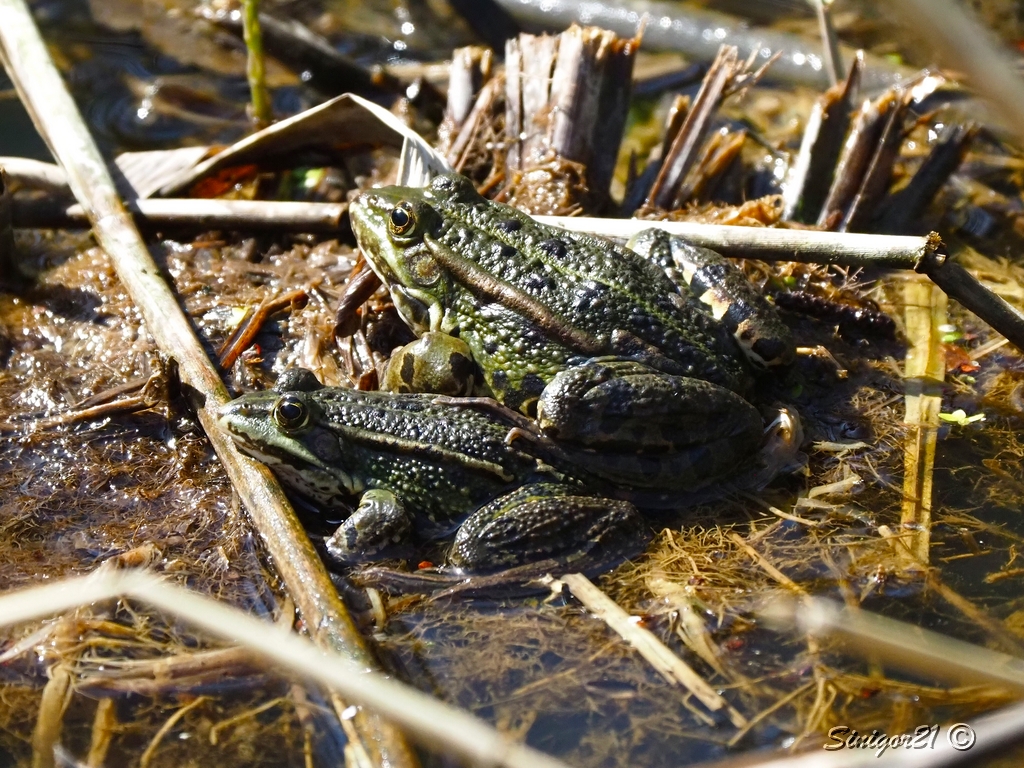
379	526
548	521
781	452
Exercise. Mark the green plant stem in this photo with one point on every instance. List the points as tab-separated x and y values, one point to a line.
255	71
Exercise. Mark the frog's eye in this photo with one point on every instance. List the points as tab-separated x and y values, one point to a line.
290	413
401	220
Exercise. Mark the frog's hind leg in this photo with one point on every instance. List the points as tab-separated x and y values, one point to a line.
726	294
548	521
380	523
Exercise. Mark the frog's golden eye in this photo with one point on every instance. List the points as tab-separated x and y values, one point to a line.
290	413
401	220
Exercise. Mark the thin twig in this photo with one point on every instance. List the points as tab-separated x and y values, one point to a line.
770	244
152	392
250	215
166	728
35	174
124	405
10	271
247	330
216	728
830	41
962	286
903	646
768	568
815	247
774	707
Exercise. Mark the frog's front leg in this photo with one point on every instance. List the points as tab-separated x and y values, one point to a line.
542	521
380	522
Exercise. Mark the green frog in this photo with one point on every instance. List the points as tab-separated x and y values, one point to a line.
641	373
425	466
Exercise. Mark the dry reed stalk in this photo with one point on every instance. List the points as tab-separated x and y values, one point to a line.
670	666
997	631
50	719
104	724
898	644
248	215
923	375
960	41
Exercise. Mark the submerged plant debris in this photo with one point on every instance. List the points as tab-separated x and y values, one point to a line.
143	488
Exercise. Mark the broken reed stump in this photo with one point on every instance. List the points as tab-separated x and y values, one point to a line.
909	204
191	213
810	175
567	98
471	134
726	75
865	166
471	67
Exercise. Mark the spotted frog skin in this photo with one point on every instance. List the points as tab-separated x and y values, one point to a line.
595	340
423	467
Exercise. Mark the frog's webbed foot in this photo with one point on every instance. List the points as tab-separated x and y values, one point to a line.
380	524
547	521
780	453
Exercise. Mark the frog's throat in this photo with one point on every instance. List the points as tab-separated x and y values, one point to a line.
420	310
487	286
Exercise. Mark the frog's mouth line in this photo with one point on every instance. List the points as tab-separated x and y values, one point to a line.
313	481
291	460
